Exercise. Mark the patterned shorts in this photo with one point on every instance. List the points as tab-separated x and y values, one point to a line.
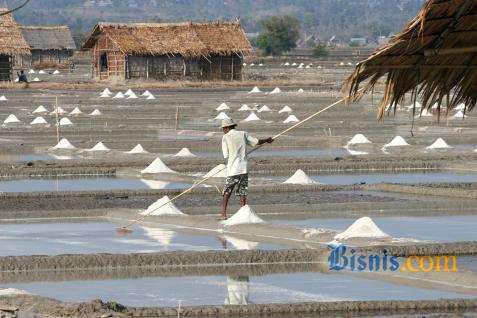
241	181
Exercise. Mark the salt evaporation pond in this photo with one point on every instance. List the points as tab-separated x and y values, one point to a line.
217	290
33	157
288	153
441	229
86	184
101	237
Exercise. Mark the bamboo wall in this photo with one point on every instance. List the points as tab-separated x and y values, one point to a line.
5	68
55	56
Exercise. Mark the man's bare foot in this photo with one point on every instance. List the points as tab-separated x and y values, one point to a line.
222	217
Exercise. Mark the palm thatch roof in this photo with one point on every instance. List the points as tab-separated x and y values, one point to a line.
11	39
434	58
187	39
48	37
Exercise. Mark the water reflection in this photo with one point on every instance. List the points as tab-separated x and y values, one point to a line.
237	290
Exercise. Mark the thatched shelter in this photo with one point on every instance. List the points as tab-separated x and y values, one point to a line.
163	51
434	58
13	47
50	45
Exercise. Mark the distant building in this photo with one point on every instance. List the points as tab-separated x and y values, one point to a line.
358	41
49	44
13	47
163	51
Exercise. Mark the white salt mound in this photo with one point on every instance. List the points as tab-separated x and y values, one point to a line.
65	122
39	121
285	109
163	206
106	91
424	113
255	90
243	216
12	292
294	64
36	79
222	106
129	92
64	144
264	108
244	108
221	116
301	90
132	96
157	166
31	71
459	114
362	228
41	72
359	139
11	119
185	153
59	111
2	98
276	90
291	119
439	144
151	97
40	109
56	72
119	95
286	64
76	111
251	117
146	93
219	171
300	177
137	150
461	106
99	147
397	141
95	112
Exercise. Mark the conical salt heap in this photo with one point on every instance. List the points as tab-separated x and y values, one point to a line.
39	121
119	95
264	108
151	97
3	98
222	107
255	90
459	115
276	90
251	117
362	228
40	109
286	64
95	112
359	139
461	107
219	171
439	144
291	119
221	116
243	216
41	72
285	109
146	94
56	72
397	141
244	108
163	206
11	119
32	71
36	79
132	96
157	166
59	111
300	177
137	150
99	147
185	153
301	91
76	111
65	122
106	91
64	144
129	92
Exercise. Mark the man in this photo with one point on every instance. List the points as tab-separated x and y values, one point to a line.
234	148
22	78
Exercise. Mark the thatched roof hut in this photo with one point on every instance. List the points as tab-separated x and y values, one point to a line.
11	40
48	37
435	57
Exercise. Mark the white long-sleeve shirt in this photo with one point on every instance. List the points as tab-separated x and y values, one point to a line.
234	148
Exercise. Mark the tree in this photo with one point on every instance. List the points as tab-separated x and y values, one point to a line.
279	35
320	49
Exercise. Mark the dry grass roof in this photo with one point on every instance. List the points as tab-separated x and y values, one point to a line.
435	57
11	38
48	37
187	39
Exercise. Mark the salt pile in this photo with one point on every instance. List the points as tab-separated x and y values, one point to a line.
132	96
36	79
397	141
251	117
2	98
129	92
459	114
252	64
11	119
461	106
222	107
157	166
294	64
359	139
221	116
185	153
243	216
255	90
301	65
301	91
300	177
342	63
219	171
76	111
58	111
163	206
119	95
286	64
362	228
65	122
146	94
137	150
291	119
276	90
64	144
31	71
41	72
56	72
244	108
285	109
308	66
439	144
39	121
106	91
40	109
99	147
7	292
151	97
424	113
261	64
264	108
95	112
319	66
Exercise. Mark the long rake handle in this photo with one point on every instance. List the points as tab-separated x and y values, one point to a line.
249	152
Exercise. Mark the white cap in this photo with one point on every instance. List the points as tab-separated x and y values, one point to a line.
228	122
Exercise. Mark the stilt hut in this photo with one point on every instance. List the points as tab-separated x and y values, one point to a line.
168	51
13	47
51	46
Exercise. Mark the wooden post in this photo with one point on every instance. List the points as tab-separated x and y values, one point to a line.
232	76
147	67
57	121
176	125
